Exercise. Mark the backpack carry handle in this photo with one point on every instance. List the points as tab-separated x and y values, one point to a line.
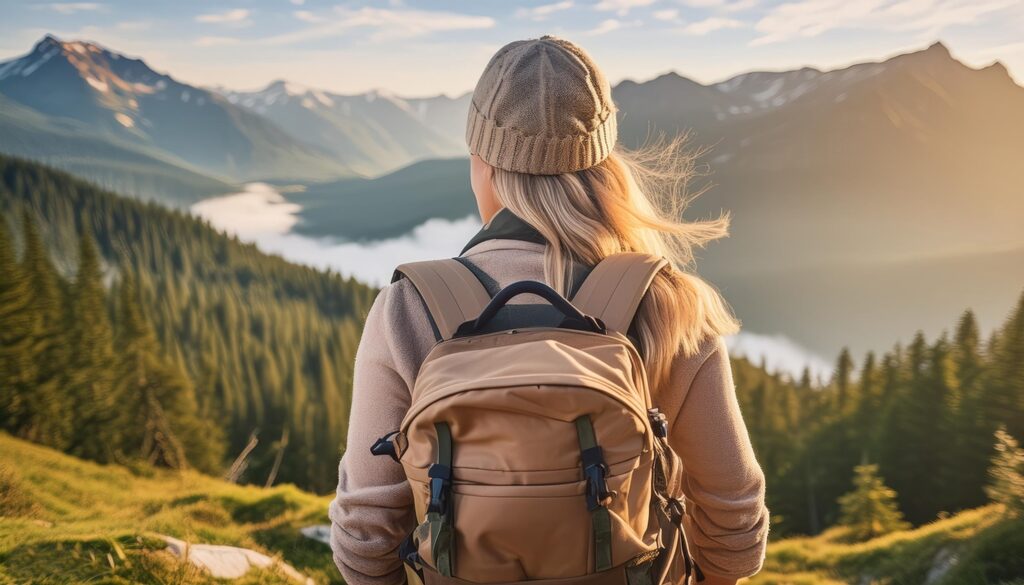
573	315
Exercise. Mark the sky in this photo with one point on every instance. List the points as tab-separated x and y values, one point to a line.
425	48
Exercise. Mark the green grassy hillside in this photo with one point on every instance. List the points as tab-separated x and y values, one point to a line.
63	520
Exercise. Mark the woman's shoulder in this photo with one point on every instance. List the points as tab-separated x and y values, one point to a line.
712	352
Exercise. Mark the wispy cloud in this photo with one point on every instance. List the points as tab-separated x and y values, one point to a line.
667	15
216	41
236	17
307	16
621	7
722	5
73	7
709	25
544	10
298	2
609	25
385	24
811	18
130	25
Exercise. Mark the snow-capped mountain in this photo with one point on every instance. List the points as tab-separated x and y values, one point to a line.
373	132
123	98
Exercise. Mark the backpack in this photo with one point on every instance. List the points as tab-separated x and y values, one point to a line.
534	453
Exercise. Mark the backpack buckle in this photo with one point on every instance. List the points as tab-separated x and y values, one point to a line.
440	484
659	422
597	487
391	444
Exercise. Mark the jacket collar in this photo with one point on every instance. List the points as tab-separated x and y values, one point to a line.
506	225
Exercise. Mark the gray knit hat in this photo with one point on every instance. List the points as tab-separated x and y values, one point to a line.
541	107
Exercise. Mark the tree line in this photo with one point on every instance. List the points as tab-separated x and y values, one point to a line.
130	331
923	415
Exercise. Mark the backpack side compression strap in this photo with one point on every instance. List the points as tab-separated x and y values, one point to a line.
452	293
613	290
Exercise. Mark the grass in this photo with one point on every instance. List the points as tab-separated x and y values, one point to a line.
987	548
63	521
66	521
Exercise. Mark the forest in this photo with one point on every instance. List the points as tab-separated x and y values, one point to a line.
139	335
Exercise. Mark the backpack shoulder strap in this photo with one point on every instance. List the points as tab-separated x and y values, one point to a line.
613	290
451	292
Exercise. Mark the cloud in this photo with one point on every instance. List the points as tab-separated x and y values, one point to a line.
667	15
261	215
307	16
621	7
298	2
216	41
779	354
709	25
605	27
386	24
73	7
927	18
722	5
236	17
129	25
543	11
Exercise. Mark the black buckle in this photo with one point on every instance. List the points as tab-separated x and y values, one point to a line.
385	446
659	422
676	510
597	487
440	482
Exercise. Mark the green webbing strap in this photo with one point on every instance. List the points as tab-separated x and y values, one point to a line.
444	443
442	534
600	517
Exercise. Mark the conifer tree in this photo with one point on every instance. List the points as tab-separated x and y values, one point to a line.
51	418
90	366
1006	475
17	364
870	510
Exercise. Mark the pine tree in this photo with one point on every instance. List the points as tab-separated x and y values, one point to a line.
1006	474
870	510
160	418
17	363
1005	397
90	365
51	419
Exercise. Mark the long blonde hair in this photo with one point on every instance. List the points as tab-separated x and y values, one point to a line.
630	202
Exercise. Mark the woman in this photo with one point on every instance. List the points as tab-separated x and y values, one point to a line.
555	199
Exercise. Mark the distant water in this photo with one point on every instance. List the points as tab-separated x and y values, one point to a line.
263	216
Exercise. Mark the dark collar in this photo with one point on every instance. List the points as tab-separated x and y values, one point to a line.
506	225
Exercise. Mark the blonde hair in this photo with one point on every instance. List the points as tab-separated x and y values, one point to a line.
630	202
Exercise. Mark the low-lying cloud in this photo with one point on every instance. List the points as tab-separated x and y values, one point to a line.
261	215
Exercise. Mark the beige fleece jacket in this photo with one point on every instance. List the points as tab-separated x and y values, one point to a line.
727	522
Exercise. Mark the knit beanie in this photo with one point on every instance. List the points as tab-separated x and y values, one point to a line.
541	107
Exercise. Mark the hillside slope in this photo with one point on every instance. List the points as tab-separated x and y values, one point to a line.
61	517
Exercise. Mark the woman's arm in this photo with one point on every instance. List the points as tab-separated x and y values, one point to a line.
726	520
372	512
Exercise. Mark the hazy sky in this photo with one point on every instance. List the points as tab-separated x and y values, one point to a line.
430	47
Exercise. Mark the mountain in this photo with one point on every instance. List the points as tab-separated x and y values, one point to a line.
373	133
119	97
106	161
388	206
913	156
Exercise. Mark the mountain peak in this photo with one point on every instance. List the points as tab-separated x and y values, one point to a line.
938	48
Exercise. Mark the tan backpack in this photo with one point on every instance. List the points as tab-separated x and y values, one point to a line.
535	454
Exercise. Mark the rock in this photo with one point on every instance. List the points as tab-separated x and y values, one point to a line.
229	562
318	532
944	560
